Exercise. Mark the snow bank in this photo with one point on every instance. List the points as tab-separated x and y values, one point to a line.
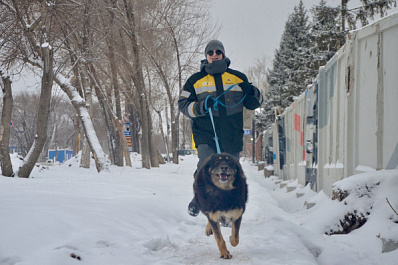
65	214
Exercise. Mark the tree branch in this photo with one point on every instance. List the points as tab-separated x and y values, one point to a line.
391	207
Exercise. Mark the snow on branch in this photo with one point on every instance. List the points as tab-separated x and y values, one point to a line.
8	5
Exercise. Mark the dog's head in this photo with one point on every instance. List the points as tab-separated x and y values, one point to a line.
223	169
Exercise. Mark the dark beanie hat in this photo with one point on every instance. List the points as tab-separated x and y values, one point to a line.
214	45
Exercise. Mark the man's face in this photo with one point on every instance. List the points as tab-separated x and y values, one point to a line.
214	55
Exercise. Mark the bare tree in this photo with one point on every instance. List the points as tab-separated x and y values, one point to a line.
46	53
180	30
41	23
132	15
258	73
108	109
118	39
117	151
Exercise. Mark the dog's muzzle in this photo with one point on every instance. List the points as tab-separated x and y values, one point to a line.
223	177
223	172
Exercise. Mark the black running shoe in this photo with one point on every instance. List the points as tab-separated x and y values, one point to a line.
193	208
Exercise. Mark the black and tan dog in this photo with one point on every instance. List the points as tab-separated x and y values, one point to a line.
221	193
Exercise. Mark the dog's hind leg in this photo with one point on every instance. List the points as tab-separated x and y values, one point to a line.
220	240
234	238
208	230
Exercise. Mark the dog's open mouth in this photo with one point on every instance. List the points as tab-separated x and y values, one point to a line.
223	177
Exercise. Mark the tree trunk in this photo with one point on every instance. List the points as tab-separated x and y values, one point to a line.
85	156
124	143
131	103
162	133
6	166
118	150
172	108
80	106
134	128
102	98
343	13
138	79
153	152
174	138
110	135
42	116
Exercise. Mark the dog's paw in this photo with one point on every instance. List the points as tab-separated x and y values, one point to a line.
234	242
226	255
208	231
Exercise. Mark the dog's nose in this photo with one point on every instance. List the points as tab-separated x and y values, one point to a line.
224	168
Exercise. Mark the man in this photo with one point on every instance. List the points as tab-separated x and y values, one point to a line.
225	92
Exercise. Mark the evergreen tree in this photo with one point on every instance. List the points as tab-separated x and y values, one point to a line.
363	13
304	48
326	36
298	49
291	71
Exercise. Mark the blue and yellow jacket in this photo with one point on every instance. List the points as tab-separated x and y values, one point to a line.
228	120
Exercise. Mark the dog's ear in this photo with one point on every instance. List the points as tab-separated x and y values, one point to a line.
206	160
204	168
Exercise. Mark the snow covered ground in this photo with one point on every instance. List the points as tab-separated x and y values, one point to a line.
139	216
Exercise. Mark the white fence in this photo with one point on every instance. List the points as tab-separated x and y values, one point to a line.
347	121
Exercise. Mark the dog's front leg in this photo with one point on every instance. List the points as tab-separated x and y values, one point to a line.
215	226
234	238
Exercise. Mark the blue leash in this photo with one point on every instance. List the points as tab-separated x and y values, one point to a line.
215	134
215	105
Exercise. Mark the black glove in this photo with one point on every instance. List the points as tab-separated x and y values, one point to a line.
247	88
207	104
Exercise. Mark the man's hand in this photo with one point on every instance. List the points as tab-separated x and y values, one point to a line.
247	88
208	104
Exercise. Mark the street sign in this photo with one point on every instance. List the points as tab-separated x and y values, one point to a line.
126	117
247	132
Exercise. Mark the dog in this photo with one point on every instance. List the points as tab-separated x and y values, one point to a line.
220	190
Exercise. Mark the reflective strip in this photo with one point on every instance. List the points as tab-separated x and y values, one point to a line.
185	94
200	90
190	109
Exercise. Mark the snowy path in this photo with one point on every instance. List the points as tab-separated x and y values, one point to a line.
263	239
138	216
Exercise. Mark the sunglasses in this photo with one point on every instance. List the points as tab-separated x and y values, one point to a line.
218	52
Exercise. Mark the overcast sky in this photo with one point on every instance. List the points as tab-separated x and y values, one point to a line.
252	29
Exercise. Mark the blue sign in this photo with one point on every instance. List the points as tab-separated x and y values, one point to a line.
247	132
61	155
127	133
